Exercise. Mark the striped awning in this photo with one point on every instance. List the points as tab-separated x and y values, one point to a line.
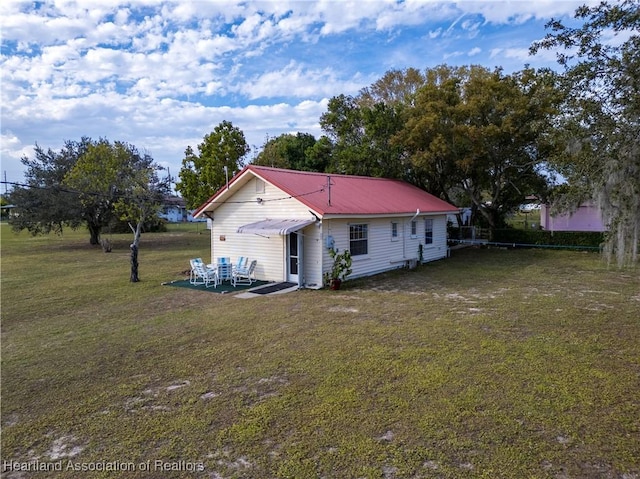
275	227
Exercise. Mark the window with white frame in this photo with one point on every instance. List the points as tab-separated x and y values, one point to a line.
414	229
394	231
428	231
359	239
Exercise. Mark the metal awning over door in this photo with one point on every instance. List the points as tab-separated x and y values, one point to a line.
275	227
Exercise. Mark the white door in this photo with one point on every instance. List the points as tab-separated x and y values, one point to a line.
293	257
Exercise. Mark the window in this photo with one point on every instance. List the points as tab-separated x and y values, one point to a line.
358	239
394	231
414	229
428	231
259	186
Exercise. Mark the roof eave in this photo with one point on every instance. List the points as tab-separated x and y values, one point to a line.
387	215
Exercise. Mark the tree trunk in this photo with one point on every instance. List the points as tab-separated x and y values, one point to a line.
94	232
134	263
137	231
489	216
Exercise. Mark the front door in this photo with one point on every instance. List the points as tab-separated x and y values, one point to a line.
292	257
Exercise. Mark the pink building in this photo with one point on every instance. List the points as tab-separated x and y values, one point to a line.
586	218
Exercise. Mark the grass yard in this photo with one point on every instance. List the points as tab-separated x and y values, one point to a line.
522	220
493	363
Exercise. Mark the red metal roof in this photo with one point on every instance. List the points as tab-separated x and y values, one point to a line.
350	195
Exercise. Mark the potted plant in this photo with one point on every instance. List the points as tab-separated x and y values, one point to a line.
340	270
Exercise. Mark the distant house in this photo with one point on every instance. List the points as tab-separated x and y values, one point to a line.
586	218
289	220
174	210
7	211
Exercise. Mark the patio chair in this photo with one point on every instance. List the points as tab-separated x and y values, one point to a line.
200	274
245	276
241	263
225	269
193	262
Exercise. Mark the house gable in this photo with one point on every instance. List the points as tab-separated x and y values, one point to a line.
249	202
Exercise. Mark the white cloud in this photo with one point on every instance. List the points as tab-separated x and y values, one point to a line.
162	73
472	27
474	51
163	127
518	12
11	150
338	17
415	12
296	81
521	54
433	34
448	56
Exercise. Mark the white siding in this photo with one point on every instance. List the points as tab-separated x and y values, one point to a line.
438	249
384	253
312	256
243	208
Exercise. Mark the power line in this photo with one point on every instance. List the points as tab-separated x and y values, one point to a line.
63	189
265	200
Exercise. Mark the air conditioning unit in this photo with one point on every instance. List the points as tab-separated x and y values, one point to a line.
412	263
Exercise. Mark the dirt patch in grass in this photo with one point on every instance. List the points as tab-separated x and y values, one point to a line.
64	447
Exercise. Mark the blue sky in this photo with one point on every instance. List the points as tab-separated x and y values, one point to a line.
163	74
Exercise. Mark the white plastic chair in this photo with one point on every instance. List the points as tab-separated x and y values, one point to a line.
200	274
241	263
192	273
224	268
244	276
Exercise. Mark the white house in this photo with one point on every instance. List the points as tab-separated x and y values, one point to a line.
288	220
174	210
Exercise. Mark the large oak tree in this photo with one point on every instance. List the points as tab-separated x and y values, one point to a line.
361	131
599	130
89	182
115	178
450	130
46	203
484	132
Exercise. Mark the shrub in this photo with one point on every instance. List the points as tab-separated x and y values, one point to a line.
341	266
577	239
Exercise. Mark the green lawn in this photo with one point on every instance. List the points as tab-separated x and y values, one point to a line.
522	220
493	363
